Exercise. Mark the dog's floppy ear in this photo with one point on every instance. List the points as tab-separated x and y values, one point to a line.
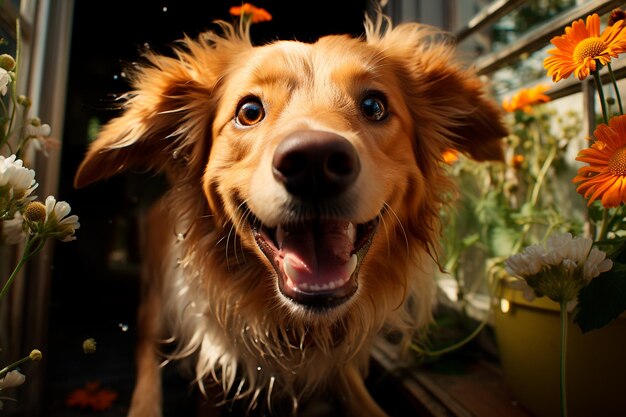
448	102
168	112
476	123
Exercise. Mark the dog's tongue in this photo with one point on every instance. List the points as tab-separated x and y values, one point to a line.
318	257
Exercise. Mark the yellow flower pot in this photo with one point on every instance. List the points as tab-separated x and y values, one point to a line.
528	337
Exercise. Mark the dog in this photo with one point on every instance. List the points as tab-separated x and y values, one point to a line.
303	213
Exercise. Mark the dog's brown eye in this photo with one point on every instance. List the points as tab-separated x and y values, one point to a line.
250	112
374	107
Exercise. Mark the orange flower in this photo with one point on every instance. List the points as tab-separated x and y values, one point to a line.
450	156
249	11
605	176
92	396
525	98
582	46
517	160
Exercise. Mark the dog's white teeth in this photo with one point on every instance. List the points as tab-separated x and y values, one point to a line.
352	263
291	272
280	236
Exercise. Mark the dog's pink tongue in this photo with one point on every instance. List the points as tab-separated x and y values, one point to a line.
318	257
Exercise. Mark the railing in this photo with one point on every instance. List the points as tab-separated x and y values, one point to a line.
538	39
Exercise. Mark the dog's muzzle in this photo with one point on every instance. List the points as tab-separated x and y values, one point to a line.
317	253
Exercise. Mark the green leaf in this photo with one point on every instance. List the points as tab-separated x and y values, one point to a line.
602	300
502	240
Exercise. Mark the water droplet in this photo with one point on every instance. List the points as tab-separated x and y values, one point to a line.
123	74
175	154
164	9
258	368
180	237
123	327
115	76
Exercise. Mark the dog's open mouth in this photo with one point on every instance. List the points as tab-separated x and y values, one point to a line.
317	262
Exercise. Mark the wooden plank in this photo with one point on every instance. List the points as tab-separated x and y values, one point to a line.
486	16
480	391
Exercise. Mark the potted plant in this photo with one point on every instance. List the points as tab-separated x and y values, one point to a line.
551	259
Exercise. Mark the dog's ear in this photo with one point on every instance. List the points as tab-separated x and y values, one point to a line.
448	103
475	122
166	119
143	137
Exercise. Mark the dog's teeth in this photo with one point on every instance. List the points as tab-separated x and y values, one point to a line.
304	286
290	271
332	286
280	236
351	266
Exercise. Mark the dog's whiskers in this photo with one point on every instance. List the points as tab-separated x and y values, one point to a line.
401	226
237	243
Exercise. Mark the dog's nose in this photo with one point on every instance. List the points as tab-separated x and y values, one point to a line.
313	163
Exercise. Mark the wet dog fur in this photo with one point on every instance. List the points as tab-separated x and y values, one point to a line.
288	163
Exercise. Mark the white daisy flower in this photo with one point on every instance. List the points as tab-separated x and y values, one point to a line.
561	269
12	379
14	174
16	185
58	224
5	79
36	129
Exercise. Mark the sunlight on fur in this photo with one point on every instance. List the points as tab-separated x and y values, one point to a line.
302	217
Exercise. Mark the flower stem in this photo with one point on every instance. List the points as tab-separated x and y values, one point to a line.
534	197
14	365
605	225
614	81
9	129
25	257
596	78
562	377
454	346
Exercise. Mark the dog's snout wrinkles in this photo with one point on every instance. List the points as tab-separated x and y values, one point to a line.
313	163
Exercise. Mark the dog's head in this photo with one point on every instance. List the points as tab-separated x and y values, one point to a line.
314	154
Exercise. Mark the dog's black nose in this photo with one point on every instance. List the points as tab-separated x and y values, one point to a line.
312	163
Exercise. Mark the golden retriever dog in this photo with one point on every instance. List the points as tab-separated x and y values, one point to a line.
302	217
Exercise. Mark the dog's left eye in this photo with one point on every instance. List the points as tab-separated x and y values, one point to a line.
374	107
250	112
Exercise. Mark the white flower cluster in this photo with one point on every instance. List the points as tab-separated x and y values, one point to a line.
57	219
5	79
561	268
561	249
19	179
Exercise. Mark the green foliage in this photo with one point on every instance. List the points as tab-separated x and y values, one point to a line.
505	206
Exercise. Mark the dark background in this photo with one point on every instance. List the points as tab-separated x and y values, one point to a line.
95	278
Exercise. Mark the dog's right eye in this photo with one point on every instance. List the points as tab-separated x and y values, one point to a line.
250	112
374	107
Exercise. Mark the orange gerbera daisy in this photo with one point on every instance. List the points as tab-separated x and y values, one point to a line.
582	46
605	176
247	10
525	98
